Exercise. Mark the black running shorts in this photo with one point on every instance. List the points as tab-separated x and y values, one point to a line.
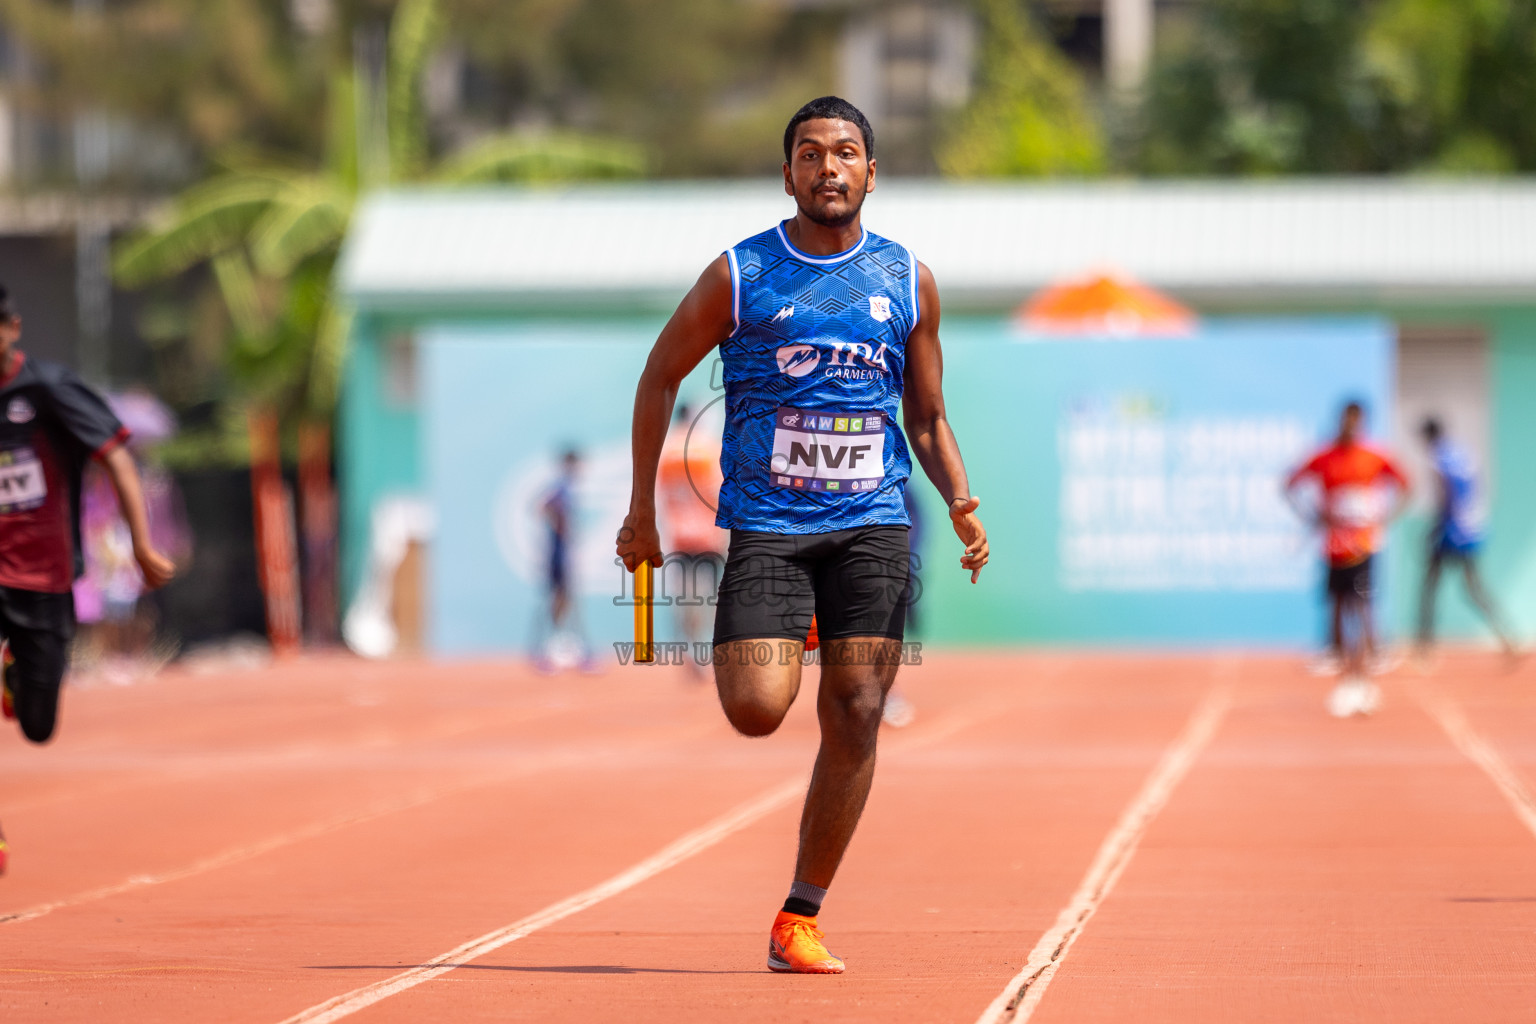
38	628
1351	580
855	581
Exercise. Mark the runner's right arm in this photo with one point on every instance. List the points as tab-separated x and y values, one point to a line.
1312	516
157	569
702	321
90	421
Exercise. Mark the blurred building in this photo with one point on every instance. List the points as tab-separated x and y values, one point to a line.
910	63
494	325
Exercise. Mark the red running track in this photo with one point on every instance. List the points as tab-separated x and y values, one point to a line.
1173	839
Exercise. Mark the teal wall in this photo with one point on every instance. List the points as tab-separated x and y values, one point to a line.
1511	557
381	445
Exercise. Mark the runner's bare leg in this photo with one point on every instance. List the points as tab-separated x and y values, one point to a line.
856	674
756	697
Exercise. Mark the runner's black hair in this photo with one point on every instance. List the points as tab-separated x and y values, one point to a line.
831	108
1354	405
5	304
1430	428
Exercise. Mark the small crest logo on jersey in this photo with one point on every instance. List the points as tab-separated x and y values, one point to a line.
798	360
783	314
20	410
880	308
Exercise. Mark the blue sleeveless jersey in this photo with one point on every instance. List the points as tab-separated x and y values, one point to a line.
813	378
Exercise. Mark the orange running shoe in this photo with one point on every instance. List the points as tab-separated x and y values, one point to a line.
812	641
794	947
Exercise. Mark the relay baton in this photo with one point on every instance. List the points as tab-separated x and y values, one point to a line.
645	619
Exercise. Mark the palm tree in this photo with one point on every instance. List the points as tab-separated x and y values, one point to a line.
270	231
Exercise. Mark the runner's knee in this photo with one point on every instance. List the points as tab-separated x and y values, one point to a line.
34	681
37	719
753	714
854	711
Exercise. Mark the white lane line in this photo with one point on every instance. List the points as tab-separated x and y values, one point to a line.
1023	993
694	842
1479	751
250	851
681	849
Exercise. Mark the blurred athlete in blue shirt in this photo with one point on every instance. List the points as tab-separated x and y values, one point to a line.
1456	536
826	331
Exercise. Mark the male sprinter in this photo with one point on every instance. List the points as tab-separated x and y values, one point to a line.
1455	538
1350	474
823	329
50	424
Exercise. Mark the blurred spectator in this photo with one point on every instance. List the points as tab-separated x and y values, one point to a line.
689	482
898	711
1455	537
1350	474
559	639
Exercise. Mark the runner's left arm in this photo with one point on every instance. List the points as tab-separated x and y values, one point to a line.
1390	470
157	569
93	425
928	430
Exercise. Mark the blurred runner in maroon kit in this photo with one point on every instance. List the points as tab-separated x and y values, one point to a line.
51	424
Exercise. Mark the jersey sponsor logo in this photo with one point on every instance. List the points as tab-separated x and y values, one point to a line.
20	410
850	360
1355	507
22	484
856	360
829	453
798	360
783	314
880	308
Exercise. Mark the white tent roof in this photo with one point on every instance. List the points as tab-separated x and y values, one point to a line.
985	243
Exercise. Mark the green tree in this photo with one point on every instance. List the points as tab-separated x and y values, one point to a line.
1323	86
1031	114
210	75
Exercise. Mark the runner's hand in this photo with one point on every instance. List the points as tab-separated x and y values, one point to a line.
962	513
157	569
638	541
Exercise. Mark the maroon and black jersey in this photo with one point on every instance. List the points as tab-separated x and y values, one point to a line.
50	424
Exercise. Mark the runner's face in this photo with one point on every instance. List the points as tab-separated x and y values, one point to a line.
1349	425
828	172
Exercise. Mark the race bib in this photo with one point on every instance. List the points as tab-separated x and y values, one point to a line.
22	484
1356	507
832	452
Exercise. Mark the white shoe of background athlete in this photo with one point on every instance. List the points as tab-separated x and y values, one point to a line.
1354	696
898	712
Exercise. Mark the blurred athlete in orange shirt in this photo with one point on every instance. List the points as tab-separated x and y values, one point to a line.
1351	475
688	480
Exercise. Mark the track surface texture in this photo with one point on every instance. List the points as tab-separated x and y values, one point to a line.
1058	837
